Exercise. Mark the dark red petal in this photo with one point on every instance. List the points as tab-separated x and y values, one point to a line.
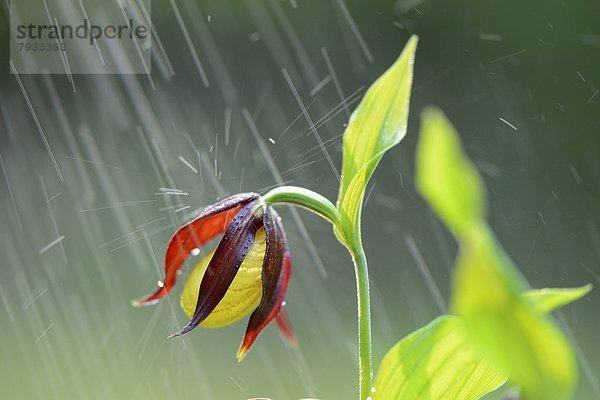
275	279
224	265
212	221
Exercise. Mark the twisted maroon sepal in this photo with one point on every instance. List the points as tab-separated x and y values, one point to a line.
211	222
276	273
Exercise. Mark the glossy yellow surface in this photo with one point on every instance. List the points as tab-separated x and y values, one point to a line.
242	297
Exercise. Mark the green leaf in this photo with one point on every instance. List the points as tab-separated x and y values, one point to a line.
435	362
546	300
506	329
438	362
377	124
445	176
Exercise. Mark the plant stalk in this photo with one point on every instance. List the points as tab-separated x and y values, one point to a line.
365	353
305	198
323	207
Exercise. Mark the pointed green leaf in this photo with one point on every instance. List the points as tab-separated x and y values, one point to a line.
445	176
505	328
438	362
546	300
508	330
377	124
435	362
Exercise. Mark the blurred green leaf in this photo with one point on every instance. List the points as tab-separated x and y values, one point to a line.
546	300
445	176
377	124
506	329
437	362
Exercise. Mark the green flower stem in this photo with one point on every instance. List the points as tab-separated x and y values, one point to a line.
305	198
365	353
321	206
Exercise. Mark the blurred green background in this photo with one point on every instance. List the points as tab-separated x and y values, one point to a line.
75	251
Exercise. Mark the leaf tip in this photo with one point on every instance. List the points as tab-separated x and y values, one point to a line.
585	289
446	177
411	47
